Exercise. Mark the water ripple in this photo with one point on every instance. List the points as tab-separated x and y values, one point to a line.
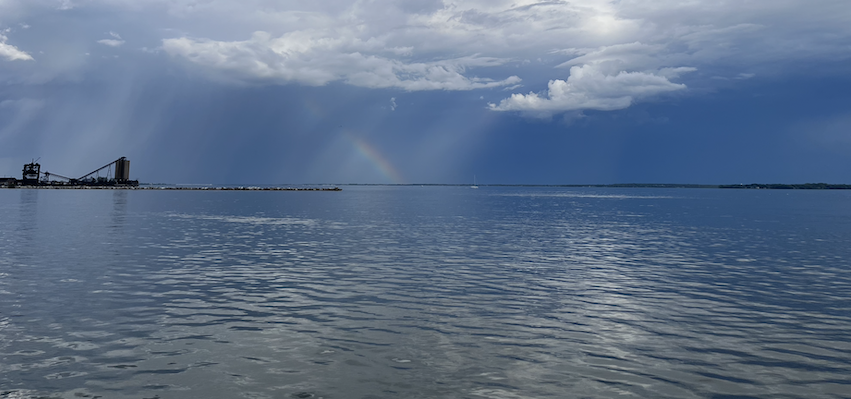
528	294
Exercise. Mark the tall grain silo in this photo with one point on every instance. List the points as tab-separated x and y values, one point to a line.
122	169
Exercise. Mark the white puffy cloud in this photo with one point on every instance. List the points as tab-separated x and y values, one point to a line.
604	78
635	56
413	45
111	42
589	88
116	40
11	52
314	58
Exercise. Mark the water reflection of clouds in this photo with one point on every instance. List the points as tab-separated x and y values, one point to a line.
253	220
563	194
537	303
621	293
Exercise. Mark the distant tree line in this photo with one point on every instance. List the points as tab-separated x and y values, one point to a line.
806	186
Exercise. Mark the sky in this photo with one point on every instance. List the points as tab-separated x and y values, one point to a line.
429	91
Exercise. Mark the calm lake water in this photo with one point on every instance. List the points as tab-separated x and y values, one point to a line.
425	292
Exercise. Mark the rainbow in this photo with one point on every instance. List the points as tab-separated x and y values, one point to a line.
376	158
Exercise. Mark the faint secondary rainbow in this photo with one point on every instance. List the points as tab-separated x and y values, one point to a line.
377	159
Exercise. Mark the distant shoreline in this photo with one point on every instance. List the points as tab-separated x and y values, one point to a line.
173	188
754	186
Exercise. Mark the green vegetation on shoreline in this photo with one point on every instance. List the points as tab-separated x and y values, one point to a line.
757	186
804	186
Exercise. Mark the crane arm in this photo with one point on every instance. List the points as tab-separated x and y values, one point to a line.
48	174
100	168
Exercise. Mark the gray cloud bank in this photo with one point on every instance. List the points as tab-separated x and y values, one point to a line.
597	55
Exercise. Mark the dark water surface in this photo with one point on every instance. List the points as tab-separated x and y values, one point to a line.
425	292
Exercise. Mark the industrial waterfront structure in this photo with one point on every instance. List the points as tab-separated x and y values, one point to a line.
113	174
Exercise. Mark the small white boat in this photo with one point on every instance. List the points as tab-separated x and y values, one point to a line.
474	182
